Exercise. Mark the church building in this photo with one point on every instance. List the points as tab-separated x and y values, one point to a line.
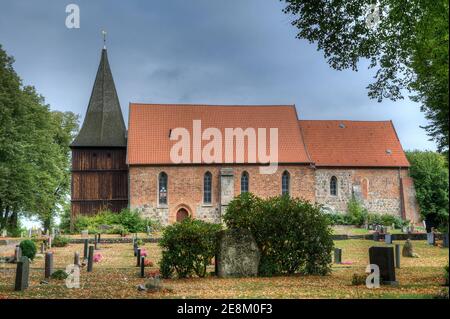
323	161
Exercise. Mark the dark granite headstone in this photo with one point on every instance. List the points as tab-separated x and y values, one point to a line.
376	236
90	259
397	255
48	264
138	255
22	274
384	258
142	266
445	241
337	255
17	254
85	248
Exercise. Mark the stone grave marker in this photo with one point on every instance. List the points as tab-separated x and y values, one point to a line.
76	258
90	259
388	239
383	257
85	248
22	274
431	240
42	248
84	234
445	241
238	254
48	264
4	233
337	255
17	253
138	255
397	255
142	266
376	236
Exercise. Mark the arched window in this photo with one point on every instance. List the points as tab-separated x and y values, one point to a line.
244	182
333	186
207	193
162	188
285	181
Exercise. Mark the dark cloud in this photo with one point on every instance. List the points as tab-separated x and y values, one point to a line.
198	51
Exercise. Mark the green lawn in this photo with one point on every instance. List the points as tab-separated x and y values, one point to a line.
117	277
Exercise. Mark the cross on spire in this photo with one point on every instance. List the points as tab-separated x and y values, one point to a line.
104	39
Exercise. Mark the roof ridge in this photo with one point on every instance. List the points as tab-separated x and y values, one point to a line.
200	104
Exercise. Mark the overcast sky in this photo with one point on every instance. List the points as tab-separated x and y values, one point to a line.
196	51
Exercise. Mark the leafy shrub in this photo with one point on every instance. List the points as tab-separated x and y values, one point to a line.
59	275
188	248
356	212
60	241
339	218
293	235
121	223
359	279
28	248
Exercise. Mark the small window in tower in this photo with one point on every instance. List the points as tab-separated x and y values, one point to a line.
333	186
285	183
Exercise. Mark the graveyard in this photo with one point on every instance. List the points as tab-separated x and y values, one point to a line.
115	274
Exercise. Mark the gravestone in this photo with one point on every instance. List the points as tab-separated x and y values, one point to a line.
138	255
388	239
407	250
22	274
17	254
98	238
445	241
397	255
90	259
84	234
4	233
431	240
48	264
135	247
76	258
142	266
383	257
42	248
238	254
85	248
337	255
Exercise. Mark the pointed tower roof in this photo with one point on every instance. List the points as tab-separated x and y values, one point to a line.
103	124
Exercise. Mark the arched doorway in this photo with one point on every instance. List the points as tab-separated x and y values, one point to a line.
182	214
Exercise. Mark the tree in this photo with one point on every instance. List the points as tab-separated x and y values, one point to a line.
34	153
406	40
430	174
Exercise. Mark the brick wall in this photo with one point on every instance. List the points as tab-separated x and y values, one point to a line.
185	188
379	189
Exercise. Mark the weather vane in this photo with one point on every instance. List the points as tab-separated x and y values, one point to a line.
104	39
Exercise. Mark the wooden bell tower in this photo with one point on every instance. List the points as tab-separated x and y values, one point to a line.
99	169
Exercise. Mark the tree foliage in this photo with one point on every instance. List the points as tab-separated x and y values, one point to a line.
34	153
430	173
405	40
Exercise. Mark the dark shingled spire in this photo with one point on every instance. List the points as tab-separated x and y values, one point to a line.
103	124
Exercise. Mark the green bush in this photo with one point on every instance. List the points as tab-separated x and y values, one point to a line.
293	235
356	212
188	247
59	275
121	223
358	279
28	248
339	218
60	241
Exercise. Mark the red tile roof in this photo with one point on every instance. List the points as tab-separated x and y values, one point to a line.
150	124
353	143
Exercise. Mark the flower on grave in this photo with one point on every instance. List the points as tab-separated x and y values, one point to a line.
148	263
97	257
143	253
